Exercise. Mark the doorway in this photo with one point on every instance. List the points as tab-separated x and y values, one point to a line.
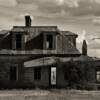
53	76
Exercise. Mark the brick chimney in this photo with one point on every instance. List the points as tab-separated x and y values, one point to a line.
27	21
84	48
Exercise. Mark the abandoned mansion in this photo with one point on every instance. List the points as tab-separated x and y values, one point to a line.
45	56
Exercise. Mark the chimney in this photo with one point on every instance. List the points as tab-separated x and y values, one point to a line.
27	21
84	48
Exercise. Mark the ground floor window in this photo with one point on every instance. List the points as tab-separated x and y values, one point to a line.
13	73
66	75
53	75
37	73
98	76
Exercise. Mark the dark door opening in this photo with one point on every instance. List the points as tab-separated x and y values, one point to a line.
13	73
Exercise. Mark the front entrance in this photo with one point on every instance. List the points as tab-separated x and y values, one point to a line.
53	76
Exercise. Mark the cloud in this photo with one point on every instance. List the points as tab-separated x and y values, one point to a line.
94	52
70	7
82	37
8	3
96	20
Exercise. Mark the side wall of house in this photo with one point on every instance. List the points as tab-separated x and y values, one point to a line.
35	43
5	42
43	82
60	81
87	75
66	44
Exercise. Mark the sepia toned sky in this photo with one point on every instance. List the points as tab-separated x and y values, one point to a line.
79	16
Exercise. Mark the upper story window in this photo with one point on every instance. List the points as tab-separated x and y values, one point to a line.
49	41
18	41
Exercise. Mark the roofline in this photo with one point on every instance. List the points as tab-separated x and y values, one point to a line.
73	34
34	26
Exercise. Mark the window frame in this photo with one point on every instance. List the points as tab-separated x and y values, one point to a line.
53	34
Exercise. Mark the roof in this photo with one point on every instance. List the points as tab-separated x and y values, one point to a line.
2	32
40	62
68	33
46	61
37	52
34	31
81	58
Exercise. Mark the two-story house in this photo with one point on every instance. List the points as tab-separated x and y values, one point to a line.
44	56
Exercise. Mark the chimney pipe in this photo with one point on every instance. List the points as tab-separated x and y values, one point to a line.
27	21
84	48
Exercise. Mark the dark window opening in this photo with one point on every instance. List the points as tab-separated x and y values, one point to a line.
18	41
66	76
49	42
13	73
37	73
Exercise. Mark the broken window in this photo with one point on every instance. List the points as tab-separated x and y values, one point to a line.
98	76
37	73
13	73
49	41
18	41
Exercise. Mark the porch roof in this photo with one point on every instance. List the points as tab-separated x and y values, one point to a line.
40	62
46	61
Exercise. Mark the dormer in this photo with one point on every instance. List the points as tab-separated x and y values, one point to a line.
70	36
18	38
49	40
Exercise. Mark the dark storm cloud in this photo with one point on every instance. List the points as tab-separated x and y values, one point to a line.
74	8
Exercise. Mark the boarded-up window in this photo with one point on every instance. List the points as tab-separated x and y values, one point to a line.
37	73
18	41
98	76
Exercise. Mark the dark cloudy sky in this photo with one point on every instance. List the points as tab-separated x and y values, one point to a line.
79	16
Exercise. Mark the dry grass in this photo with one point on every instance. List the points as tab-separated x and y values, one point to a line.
53	94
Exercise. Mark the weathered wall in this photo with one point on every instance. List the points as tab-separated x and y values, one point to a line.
5	42
87	75
29	77
5	71
35	43
61	82
64	46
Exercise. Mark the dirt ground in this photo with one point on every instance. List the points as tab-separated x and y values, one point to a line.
52	94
